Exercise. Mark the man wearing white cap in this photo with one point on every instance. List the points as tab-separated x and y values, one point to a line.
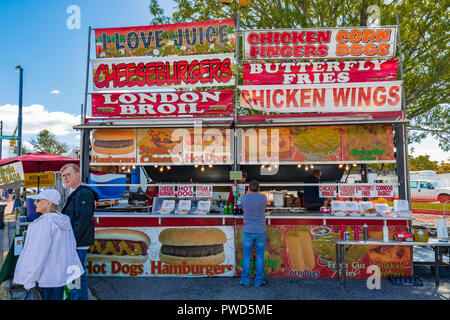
49	256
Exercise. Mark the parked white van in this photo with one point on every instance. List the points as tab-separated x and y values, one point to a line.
429	191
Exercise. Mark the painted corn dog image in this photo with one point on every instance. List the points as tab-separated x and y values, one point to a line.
300	250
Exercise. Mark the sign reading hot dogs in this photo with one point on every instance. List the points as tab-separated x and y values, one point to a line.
323	43
159	104
257	73
174	72
197	37
345	97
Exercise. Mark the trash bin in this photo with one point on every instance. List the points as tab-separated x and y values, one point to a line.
2	214
31	213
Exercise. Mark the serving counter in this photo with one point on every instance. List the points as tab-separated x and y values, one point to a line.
298	245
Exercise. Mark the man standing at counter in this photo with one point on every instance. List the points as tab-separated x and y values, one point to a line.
311	193
254	233
79	207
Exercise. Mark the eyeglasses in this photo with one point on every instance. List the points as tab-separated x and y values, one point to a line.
66	175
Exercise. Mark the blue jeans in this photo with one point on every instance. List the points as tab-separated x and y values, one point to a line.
248	241
81	294
56	293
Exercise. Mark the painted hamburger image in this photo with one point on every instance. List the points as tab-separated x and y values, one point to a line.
192	246
114	141
122	245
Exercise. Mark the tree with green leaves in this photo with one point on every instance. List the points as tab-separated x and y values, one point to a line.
424	26
47	142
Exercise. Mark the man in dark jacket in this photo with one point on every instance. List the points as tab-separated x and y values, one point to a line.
311	193
79	207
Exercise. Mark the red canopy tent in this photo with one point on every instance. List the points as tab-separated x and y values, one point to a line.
40	162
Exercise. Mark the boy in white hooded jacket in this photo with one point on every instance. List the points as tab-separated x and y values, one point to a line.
49	256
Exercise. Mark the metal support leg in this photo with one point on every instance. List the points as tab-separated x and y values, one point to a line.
337	262
343	266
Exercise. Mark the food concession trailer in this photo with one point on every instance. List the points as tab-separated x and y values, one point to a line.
287	118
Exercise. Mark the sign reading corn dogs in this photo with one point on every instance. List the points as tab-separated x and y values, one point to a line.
307	251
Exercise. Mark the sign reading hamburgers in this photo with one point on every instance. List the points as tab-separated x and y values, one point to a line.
114	146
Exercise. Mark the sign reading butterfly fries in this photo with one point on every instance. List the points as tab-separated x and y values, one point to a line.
197	37
323	43
171	72
160	104
302	72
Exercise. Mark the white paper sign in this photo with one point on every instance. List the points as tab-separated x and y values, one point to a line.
205	191
167	206
338	206
184	207
204	207
327	191
166	191
185	191
401	206
18	245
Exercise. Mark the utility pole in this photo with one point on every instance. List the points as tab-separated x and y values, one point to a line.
19	134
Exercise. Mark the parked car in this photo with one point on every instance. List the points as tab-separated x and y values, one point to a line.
429	191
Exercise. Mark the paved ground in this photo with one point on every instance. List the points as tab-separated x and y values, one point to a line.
220	288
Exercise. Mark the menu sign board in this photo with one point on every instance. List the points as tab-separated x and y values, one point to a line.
355	143
154	256
308	251
163	104
11	173
320	43
323	98
179	39
324	72
184	146
137	73
166	191
366	191
205	191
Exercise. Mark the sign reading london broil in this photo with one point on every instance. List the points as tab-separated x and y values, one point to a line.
324	43
163	104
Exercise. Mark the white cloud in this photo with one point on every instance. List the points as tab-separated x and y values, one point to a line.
36	118
56	91
429	146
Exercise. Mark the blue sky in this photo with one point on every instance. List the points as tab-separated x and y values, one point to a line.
35	35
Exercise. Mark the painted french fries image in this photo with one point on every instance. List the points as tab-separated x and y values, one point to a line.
300	250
